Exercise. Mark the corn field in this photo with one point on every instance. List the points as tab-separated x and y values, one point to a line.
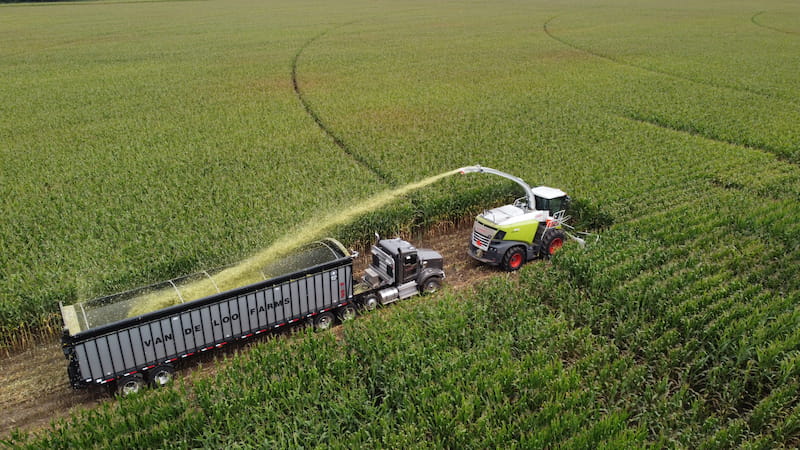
144	140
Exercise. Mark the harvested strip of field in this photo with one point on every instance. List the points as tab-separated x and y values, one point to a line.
34	387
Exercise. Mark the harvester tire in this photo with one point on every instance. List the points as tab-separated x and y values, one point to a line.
552	242
513	259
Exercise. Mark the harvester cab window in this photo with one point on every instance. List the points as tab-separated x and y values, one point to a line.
542	204
552	205
555	205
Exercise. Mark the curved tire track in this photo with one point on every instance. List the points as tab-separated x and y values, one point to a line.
655	71
778	30
777	153
364	162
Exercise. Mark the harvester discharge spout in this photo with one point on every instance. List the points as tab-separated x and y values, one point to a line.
519	181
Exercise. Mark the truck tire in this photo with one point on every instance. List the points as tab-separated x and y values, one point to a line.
513	259
161	375
431	285
324	321
346	313
371	302
552	242
130	384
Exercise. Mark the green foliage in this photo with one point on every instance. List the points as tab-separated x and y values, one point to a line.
148	139
485	370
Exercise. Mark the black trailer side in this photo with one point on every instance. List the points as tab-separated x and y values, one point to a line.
138	347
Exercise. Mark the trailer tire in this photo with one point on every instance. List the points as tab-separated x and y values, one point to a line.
371	302
130	384
552	242
323	321
347	313
513	259
161	375
431	285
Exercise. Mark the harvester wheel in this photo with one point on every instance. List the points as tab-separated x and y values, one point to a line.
513	259
553	242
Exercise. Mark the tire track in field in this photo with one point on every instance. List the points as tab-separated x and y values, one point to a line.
692	131
656	71
778	30
364	162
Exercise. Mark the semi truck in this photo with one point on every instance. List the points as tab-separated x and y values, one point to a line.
127	354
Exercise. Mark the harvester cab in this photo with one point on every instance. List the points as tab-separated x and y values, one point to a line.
511	235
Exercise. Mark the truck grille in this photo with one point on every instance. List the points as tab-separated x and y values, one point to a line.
482	235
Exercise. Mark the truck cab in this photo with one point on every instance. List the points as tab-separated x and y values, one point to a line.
399	270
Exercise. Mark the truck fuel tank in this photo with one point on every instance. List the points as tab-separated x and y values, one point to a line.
389	295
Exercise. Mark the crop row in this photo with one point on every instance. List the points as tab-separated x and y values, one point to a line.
491	368
709	309
676	327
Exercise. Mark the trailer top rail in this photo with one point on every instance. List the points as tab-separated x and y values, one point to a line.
92	317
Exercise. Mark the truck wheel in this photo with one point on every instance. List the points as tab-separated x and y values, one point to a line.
513	259
323	321
161	375
431	285
130	384
370	303
553	242
347	313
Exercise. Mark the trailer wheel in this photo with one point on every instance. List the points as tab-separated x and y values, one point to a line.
347	313
323	321
553	242
513	259
161	375
130	384
371	302
431	285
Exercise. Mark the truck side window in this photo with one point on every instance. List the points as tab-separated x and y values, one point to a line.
410	260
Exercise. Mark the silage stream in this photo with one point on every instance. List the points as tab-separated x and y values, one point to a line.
266	263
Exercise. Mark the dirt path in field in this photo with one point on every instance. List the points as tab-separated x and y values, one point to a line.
34	388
